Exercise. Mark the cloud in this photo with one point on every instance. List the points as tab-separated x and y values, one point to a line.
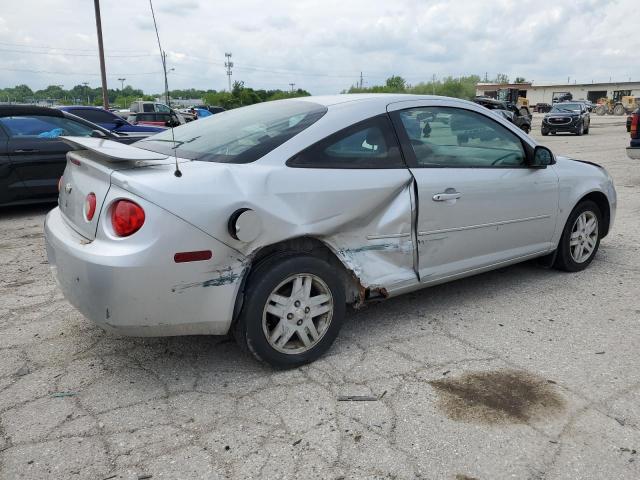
181	8
321	46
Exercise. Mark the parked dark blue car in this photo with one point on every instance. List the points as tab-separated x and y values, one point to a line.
110	120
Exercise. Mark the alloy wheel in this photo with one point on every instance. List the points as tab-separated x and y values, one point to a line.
584	237
298	313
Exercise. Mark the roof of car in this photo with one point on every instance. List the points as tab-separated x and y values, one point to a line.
382	98
9	110
81	107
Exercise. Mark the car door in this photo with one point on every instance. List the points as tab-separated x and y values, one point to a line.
479	205
37	153
354	190
11	186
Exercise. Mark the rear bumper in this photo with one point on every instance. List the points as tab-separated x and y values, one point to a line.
633	153
633	150
137	289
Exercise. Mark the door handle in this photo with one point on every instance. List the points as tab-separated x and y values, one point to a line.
26	150
443	197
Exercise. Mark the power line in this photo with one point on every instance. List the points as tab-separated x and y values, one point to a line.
49	47
73	54
74	73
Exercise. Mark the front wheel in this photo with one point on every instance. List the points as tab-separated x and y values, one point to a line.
580	129
580	238
293	310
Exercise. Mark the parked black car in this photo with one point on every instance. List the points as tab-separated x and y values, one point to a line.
542	107
519	116
32	155
572	117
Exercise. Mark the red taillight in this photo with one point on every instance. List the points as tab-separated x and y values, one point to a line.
635	125
126	217
90	206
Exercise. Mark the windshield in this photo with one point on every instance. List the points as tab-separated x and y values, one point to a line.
566	107
241	135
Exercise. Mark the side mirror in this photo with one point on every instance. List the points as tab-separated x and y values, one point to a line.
119	122
542	157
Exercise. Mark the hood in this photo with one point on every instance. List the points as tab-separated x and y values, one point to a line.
562	114
574	162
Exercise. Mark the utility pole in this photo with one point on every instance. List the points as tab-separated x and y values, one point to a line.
228	65
433	84
292	85
361	81
86	88
103	72
166	81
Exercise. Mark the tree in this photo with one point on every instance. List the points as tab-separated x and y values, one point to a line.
520	80
502	78
396	83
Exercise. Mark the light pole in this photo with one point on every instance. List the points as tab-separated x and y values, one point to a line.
86	88
121	89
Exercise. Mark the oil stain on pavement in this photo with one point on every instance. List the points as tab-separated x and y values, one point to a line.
495	397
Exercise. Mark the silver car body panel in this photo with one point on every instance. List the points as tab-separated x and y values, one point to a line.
381	224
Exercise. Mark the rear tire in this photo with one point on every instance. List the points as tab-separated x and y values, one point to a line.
277	323
579	244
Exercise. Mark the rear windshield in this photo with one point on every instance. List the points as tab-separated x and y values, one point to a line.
242	135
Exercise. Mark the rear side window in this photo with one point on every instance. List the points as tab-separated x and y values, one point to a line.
242	135
368	144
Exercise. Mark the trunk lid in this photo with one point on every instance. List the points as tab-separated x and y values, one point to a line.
89	171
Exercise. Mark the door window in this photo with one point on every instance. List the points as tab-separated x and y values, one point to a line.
368	144
455	137
41	126
160	107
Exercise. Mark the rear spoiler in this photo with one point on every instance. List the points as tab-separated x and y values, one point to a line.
113	151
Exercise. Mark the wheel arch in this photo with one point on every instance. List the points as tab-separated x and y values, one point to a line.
355	292
601	200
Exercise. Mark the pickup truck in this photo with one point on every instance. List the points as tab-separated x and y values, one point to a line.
633	150
141	106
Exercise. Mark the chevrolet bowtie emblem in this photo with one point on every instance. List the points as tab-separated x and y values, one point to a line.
68	188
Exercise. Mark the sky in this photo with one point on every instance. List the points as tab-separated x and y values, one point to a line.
321	46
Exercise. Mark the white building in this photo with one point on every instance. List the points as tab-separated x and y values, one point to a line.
547	93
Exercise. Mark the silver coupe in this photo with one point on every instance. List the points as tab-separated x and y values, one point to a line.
267	221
